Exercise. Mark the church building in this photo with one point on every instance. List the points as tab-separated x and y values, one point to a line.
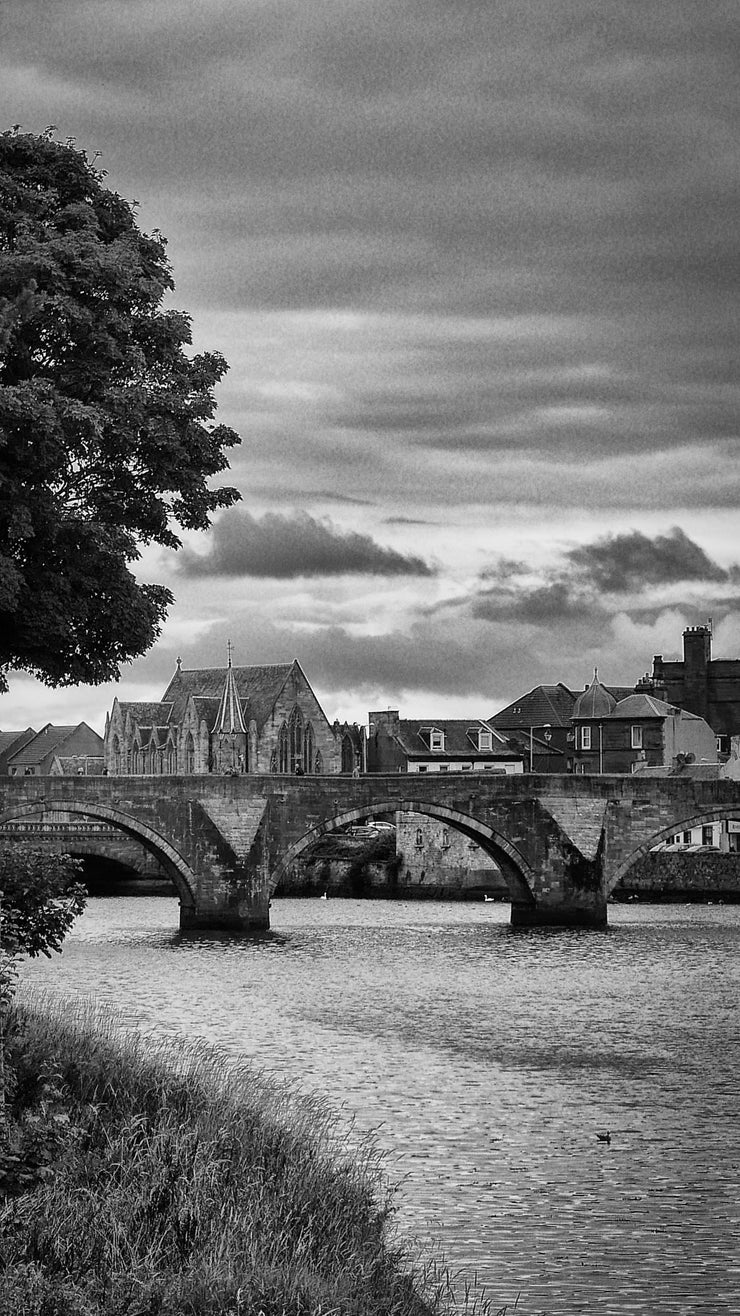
258	719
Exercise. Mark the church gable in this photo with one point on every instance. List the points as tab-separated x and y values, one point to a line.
261	718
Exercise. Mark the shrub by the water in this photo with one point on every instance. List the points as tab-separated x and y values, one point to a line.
158	1179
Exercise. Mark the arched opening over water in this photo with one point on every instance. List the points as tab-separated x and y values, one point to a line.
40	824
513	866
707	836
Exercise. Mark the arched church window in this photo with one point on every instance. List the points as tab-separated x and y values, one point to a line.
116	755
189	753
308	748
318	766
171	760
295	732
273	761
283	749
135	760
348	755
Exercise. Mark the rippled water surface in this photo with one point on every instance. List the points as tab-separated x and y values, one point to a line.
488	1060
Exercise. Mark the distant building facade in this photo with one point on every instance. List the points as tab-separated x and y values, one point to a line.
706	686
258	719
396	744
439	858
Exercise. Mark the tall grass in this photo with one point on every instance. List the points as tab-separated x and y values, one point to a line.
183	1185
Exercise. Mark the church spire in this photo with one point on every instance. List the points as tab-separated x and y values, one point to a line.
230	718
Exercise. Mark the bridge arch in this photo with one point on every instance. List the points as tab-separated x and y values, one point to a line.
175	866
516	871
715	813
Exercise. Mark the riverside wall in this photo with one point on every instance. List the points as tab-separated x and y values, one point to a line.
680	876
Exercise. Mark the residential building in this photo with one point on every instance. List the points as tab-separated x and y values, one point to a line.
539	724
396	744
625	735
53	750
258	719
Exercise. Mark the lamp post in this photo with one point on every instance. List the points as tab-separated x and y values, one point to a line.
547	737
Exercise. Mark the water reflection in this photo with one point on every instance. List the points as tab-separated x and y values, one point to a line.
488	1061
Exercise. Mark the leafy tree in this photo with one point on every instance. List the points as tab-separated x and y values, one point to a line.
106	440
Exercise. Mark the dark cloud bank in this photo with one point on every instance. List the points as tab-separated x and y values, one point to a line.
286	547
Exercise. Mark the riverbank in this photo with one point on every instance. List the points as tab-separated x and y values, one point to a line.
157	1178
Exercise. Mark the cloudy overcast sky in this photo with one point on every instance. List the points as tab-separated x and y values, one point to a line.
474	267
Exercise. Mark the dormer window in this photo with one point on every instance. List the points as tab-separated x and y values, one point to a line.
485	740
436	739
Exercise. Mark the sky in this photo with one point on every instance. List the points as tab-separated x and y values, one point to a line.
474	267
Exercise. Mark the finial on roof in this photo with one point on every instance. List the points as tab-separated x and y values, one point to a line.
596	673
179	664
228	650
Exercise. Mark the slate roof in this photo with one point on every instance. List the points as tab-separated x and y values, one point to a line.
258	687
458	741
543	704
10	738
48	739
642	705
148	714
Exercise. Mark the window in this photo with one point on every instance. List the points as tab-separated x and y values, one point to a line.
422	767
436	739
283	749
687	838
484	740
419	836
308	748
707	835
636	737
295	731
585	737
445	838
189	753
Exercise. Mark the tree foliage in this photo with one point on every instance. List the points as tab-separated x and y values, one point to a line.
106	440
40	898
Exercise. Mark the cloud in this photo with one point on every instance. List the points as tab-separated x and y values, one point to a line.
576	587
285	547
625	563
553	603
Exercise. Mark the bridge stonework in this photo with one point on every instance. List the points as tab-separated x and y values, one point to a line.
562	842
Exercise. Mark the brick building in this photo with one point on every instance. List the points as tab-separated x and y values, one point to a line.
259	719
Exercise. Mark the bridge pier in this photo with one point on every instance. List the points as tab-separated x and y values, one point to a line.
239	920
586	910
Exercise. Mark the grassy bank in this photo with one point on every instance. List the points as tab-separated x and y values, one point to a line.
152	1179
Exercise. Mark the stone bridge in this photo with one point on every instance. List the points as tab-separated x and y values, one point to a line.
562	842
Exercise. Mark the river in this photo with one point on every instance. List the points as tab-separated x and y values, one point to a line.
488	1060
